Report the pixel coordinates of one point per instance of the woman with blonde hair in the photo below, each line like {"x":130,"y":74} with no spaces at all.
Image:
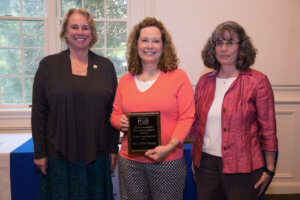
{"x":75,"y":146}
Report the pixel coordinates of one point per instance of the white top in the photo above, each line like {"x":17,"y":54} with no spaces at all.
{"x":144,"y":85}
{"x":213,"y":134}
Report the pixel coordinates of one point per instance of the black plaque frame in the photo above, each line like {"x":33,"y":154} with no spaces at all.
{"x":144,"y":131}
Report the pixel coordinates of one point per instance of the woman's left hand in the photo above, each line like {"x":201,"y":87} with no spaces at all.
{"x":113,"y":161}
{"x":160,"y":152}
{"x":262,"y":182}
{"x":265,"y":178}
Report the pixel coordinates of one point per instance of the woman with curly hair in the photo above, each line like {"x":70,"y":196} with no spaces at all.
{"x":154,"y":83}
{"x":234,"y":120}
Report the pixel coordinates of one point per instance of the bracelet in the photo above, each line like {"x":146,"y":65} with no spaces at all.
{"x":271,"y":173}
{"x":172,"y":144}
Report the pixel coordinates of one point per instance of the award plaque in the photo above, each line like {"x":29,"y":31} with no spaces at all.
{"x":143,"y":132}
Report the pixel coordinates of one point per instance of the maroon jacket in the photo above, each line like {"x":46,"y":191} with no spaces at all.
{"x":248,"y":120}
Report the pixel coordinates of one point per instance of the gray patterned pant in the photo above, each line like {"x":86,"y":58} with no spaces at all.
{"x":151,"y":181}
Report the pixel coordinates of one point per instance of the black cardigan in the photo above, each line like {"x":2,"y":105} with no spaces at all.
{"x":53,"y":112}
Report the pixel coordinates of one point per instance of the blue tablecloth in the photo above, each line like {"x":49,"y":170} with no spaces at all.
{"x":190,"y":187}
{"x":25,"y":175}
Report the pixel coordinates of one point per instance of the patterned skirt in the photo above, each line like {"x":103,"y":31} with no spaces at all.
{"x":66,"y":181}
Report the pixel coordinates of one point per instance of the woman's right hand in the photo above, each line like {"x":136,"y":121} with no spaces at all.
{"x":41,"y":164}
{"x":124,"y":123}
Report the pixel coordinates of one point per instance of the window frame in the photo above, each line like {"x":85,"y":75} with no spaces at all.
{"x":17,"y":118}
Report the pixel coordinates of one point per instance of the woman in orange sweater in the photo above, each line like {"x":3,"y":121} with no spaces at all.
{"x":154,"y":83}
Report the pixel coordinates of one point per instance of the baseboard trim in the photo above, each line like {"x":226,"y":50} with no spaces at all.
{"x":284,"y":188}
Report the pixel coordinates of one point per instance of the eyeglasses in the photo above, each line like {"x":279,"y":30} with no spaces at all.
{"x":228,"y":43}
{"x":83,"y":27}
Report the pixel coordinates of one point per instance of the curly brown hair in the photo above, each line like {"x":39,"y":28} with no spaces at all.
{"x":168,"y":60}
{"x":246,"y":51}
{"x":90,"y":20}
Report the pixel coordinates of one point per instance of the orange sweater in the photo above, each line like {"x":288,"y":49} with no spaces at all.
{"x":172,"y":94}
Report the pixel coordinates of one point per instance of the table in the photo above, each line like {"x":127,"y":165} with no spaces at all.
{"x":25,"y":175}
{"x":8,"y":142}
{"x":19,"y":177}
{"x":190,"y":186}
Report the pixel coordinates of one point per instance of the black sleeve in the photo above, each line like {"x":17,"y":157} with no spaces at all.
{"x":39,"y":112}
{"x":114,"y":134}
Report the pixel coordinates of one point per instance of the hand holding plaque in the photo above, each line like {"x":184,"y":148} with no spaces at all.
{"x":143,"y":132}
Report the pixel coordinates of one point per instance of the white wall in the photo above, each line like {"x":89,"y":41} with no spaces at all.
{"x":274,"y":26}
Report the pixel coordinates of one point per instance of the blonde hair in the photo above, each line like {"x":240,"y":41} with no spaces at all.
{"x":90,"y":20}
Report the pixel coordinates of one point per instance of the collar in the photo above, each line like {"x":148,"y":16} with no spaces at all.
{"x":242,"y":72}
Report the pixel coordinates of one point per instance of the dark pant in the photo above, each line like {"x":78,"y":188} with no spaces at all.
{"x":212,"y":184}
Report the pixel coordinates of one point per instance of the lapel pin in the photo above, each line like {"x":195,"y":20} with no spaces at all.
{"x":95,"y":66}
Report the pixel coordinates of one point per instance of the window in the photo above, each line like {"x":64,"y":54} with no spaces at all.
{"x":29,"y":30}
{"x":28,"y":34}
{"x":21,"y":47}
{"x":111,"y":21}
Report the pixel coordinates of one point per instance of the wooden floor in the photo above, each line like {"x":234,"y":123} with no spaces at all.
{"x":281,"y":197}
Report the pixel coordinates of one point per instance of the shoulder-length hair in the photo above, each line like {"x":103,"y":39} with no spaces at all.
{"x":90,"y":20}
{"x":168,"y":60}
{"x":246,"y":51}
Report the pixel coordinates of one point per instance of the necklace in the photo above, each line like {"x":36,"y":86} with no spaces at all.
{"x":76,"y":68}
{"x":226,"y":78}
{"x":79,"y":70}
{"x":225,"y":81}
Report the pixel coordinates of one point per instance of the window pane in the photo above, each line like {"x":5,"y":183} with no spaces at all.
{"x":67,"y":4}
{"x":31,"y":59}
{"x":100,"y":33}
{"x":33,"y":33}
{"x":10,"y":62}
{"x":118,"y":59}
{"x":99,"y":52}
{"x":95,"y":8}
{"x":28,"y":90}
{"x":116,"y":34}
{"x":116,"y":8}
{"x":10,"y":33}
{"x":11,"y":90}
{"x":33,"y":8}
{"x":64,"y":45}
{"x":10,"y":8}
{"x":62,"y":41}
